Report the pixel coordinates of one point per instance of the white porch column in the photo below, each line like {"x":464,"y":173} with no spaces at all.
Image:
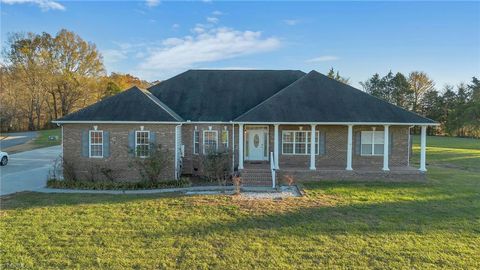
{"x":240,"y":146}
{"x":385,"y":148}
{"x":312,"y":148}
{"x":275,"y":145}
{"x":349,"y":148}
{"x":423,"y":148}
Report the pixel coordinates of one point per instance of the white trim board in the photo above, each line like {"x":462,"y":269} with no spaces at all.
{"x":116,"y":122}
{"x":251,"y":123}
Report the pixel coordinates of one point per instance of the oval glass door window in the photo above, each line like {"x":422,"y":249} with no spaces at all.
{"x":256,"y":140}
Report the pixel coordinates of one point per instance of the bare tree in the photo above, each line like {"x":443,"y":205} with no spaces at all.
{"x":420,"y":84}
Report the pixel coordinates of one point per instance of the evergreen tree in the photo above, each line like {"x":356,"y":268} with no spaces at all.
{"x":402,"y":94}
{"x":373,"y":86}
{"x":336,"y":75}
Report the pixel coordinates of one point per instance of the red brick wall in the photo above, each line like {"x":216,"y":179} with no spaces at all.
{"x":120,"y":161}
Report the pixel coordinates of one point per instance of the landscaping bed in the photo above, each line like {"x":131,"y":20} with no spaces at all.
{"x":109,"y":185}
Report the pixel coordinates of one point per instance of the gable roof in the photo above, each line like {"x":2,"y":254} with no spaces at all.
{"x":318,"y":98}
{"x":221,"y":95}
{"x":133,"y":104}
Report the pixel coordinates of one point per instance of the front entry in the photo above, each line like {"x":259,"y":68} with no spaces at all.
{"x":256,"y":146}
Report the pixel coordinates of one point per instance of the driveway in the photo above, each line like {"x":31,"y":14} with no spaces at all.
{"x":27,"y":171}
{"x":17,"y":138}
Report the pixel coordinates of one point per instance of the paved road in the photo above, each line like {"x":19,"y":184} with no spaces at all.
{"x":27,"y":171}
{"x":17,"y":138}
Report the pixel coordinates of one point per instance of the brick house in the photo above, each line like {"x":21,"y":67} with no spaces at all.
{"x":281,"y":116}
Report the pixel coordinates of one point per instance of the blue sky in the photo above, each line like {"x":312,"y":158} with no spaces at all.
{"x":156,"y":40}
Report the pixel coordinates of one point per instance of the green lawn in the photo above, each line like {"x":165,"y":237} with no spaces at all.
{"x":337,"y":225}
{"x":460,"y":153}
{"x":42,"y":140}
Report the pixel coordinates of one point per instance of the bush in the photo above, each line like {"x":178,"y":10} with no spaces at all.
{"x":217,"y":167}
{"x":108,"y":185}
{"x":152,"y":168}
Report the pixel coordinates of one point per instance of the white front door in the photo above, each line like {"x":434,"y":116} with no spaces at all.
{"x":256,"y":144}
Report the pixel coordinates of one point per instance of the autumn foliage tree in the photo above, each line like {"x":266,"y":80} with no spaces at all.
{"x":45,"y":77}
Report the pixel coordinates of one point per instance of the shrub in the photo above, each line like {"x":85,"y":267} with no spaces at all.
{"x":288,"y":179}
{"x":108,"y":185}
{"x":216,"y":166}
{"x":152,"y":167}
{"x":62,"y":169}
{"x":237,"y":182}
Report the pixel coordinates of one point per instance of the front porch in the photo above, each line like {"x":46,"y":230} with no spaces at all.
{"x":342,"y":152}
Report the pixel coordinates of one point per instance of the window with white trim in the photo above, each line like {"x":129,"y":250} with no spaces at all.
{"x":196,"y":142}
{"x":297,"y":142}
{"x":372,"y":143}
{"x":142,"y":143}
{"x":210,"y":141}
{"x":96,"y":143}
{"x":224,"y":137}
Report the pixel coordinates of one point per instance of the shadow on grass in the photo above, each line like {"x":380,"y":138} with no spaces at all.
{"x":26,"y":200}
{"x":454,"y":214}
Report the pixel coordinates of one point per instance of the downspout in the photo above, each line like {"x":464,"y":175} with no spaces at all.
{"x":233,"y":147}
{"x":177,"y":173}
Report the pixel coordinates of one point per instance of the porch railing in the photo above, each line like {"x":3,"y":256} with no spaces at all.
{"x":272,"y":169}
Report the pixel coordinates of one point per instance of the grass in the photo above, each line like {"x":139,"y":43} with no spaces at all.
{"x":460,"y":153}
{"x":42,"y":140}
{"x":336,"y":225}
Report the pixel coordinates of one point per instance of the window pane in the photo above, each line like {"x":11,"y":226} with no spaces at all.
{"x":367,"y":137}
{"x":287,"y":148}
{"x":210,"y":141}
{"x":300,"y":148}
{"x":265,"y":144}
{"x":225,"y":138}
{"x":287,"y":136}
{"x":300,"y":136}
{"x":366,"y":149}
{"x":196,"y":146}
{"x":379,"y":137}
{"x":378,"y":149}
{"x":96,"y":150}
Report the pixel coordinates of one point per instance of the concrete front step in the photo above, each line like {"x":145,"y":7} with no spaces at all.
{"x":257,"y":183}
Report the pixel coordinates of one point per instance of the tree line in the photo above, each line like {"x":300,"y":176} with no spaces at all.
{"x":457,"y":109}
{"x":45,"y":77}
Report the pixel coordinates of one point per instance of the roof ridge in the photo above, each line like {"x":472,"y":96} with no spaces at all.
{"x":277,"y":93}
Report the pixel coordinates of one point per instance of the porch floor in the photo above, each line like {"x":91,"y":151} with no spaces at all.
{"x":266,"y":166}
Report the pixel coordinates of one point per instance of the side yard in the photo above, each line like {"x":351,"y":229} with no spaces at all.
{"x":336,"y":225}
{"x":42,"y":138}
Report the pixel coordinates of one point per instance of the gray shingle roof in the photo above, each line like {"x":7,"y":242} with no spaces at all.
{"x":318,"y":98}
{"x":133,"y":104}
{"x":221,"y":95}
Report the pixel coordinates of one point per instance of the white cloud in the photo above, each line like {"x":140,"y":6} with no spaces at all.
{"x":291,"y":22}
{"x":323,"y":58}
{"x":175,"y":25}
{"x":152,"y":3}
{"x":44,"y":5}
{"x":204,"y":47}
{"x":113,"y":56}
{"x":217,"y":13}
{"x":212,"y":19}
